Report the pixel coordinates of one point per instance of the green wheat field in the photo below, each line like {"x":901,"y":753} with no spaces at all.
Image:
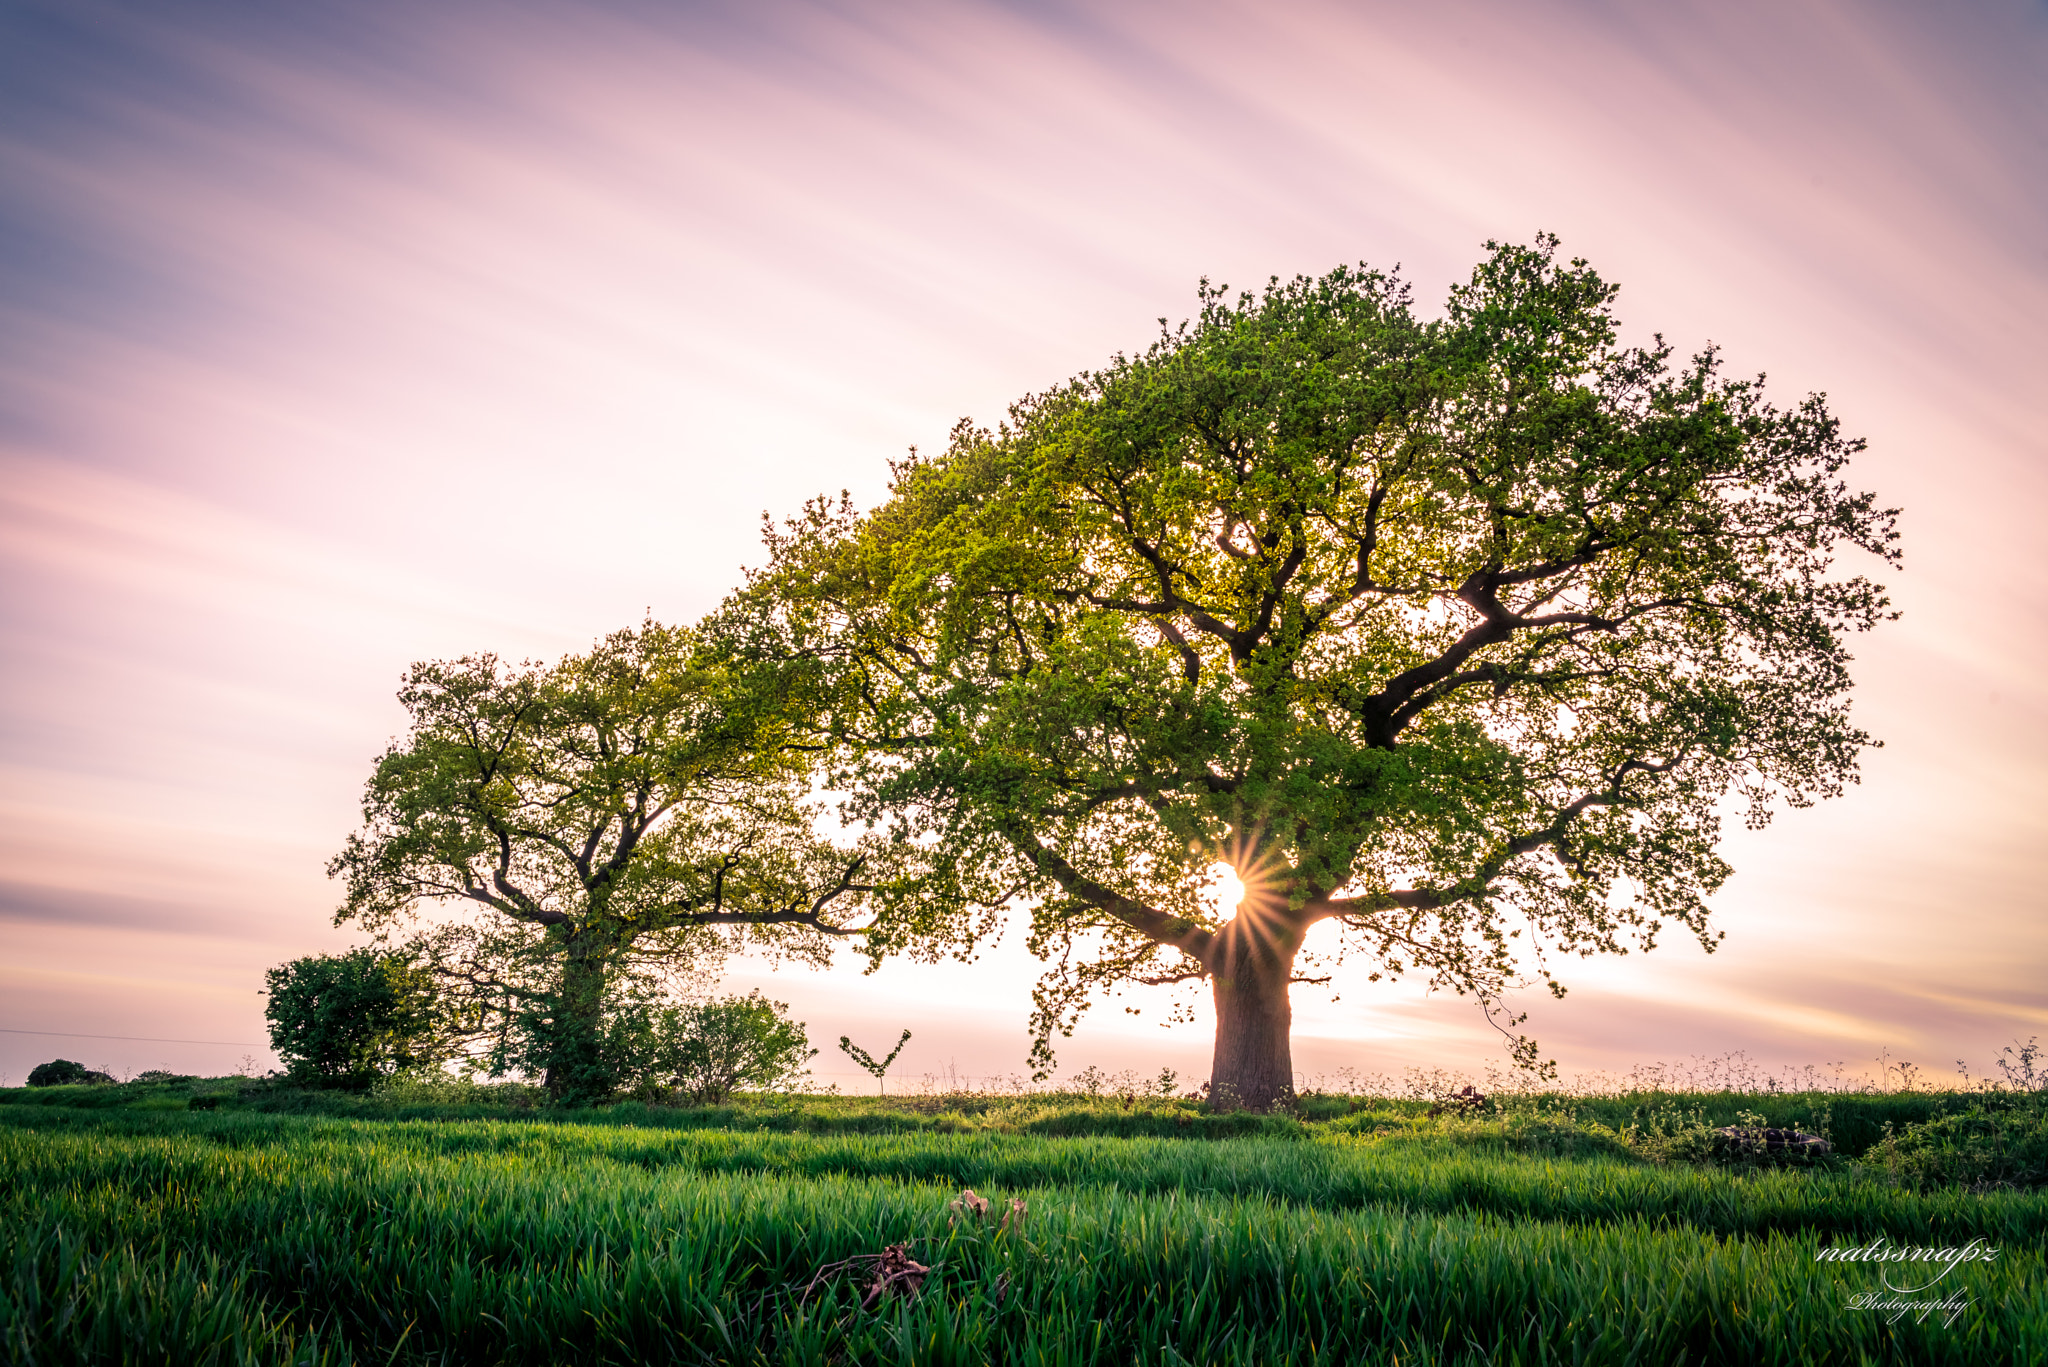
{"x":270,"y":1226}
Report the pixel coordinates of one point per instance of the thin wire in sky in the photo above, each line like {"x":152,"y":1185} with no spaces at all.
{"x":144,"y":1039}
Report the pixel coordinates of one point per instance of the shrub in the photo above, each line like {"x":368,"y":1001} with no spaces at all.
{"x":1983,"y":1146}
{"x":349,"y":1019}
{"x":1668,"y":1132}
{"x":58,"y":1072}
{"x":711,"y":1049}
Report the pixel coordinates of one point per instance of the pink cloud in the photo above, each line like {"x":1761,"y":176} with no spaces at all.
{"x":446,"y":331}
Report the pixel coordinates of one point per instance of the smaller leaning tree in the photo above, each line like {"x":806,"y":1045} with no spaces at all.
{"x":1443,"y":632}
{"x":626,"y":811}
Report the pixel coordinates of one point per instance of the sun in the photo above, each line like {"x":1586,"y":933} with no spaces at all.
{"x":1226,"y":889}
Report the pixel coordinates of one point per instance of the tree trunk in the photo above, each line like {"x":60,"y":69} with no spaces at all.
{"x":577,"y":1069}
{"x":1250,"y":968}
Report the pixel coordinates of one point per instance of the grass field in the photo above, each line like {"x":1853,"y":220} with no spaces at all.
{"x":287,"y":1227}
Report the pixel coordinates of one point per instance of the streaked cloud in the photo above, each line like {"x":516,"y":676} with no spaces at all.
{"x":338,"y":339}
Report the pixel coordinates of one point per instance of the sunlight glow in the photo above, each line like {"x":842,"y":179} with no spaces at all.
{"x":1226,"y":889}
{"x":385,"y":263}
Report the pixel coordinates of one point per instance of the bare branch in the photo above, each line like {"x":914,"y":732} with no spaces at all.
{"x":1150,"y":922}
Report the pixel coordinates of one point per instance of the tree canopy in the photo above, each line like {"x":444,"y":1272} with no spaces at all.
{"x":627,"y":809}
{"x":1457,"y":632}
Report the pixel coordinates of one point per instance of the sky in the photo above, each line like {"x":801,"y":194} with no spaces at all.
{"x":334,"y":338}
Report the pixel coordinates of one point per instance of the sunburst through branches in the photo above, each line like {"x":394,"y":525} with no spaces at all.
{"x":1241,"y":874}
{"x":1225,"y":891}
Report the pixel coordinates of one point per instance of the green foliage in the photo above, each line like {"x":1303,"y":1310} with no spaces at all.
{"x":1669,"y":1132}
{"x":876,"y":1066}
{"x":239,"y":1237}
{"x":707,"y":1050}
{"x":1455,"y":632}
{"x":1852,"y":1121}
{"x":348,"y":1019}
{"x":630,"y":811}
{"x":415,"y":1091}
{"x":59,"y":1072}
{"x":711,"y":1049}
{"x":1537,"y":1129}
{"x":1996,"y":1141}
{"x":165,"y":1091}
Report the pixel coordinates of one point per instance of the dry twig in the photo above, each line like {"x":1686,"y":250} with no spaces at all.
{"x":895,"y":1273}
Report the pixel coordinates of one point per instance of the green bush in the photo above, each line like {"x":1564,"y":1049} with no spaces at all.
{"x":346,"y":1020}
{"x":709,"y":1050}
{"x":1986,"y":1145}
{"x":737,"y":1042}
{"x":58,"y":1072}
{"x":1668,"y":1132}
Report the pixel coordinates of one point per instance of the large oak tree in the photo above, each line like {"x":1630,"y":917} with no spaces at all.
{"x":1463,"y":634}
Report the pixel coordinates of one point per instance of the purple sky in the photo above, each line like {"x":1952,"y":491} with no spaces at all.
{"x":340,"y":337}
